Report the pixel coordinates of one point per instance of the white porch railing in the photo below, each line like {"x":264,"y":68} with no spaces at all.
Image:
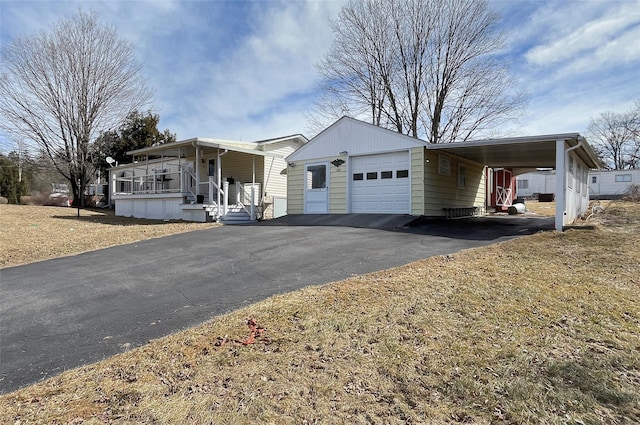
{"x":182,"y":180}
{"x":189,"y":183}
{"x":221,"y":195}
{"x":244,"y":197}
{"x":158,"y":181}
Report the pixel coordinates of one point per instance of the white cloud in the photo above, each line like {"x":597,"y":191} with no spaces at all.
{"x":267,"y":73}
{"x":585,"y":35}
{"x":576,"y":59}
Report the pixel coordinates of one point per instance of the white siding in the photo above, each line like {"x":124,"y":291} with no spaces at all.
{"x":604,"y":187}
{"x":576,"y":192}
{"x":275,"y":176}
{"x":536,"y":182}
{"x":356,"y":138}
{"x":154,"y":207}
{"x":606,"y":184}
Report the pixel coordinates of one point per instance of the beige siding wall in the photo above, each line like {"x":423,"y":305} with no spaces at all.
{"x":295,"y":189}
{"x":338,"y":187}
{"x":240,"y":166}
{"x":442,"y":191}
{"x":417,"y":181}
{"x":275,"y":181}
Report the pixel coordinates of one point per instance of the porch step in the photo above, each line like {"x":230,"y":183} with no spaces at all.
{"x":236,"y":217}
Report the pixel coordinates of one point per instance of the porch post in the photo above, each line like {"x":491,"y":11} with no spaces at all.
{"x":113,"y":186}
{"x":197,"y":171}
{"x":225,"y":208}
{"x":211,"y":183}
{"x":218,"y":172}
{"x":253,"y":186}
{"x":560,"y":184}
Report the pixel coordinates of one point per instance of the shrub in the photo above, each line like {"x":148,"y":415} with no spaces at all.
{"x":633,"y":193}
{"x":39,"y":198}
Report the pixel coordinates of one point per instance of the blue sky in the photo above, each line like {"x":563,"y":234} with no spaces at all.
{"x":244,"y":70}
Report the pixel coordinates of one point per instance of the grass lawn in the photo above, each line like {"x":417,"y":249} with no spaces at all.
{"x":33,"y":233}
{"x":542,"y":329}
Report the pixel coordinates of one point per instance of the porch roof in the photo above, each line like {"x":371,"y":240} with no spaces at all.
{"x":187,"y":148}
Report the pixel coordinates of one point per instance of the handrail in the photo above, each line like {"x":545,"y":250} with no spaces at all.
{"x":225,"y":195}
{"x":241,"y":196}
{"x":191,"y":178}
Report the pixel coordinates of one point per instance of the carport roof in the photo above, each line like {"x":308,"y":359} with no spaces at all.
{"x":520,"y":152}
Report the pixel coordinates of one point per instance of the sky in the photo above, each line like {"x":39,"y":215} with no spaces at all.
{"x":245,"y":70}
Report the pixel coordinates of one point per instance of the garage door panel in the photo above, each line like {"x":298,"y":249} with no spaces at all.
{"x":376,"y":187}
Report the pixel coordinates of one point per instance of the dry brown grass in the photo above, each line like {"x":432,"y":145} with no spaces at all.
{"x":542,"y":329}
{"x":33,"y":233}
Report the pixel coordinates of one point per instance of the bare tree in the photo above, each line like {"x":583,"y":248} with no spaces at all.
{"x":616,"y":138}
{"x":61,"y":88}
{"x":424,"y":68}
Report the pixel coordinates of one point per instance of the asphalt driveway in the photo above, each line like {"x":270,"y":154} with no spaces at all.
{"x":63,"y":313}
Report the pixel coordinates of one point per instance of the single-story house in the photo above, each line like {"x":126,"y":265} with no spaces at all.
{"x":603,"y":184}
{"x":356,"y":167}
{"x":204,"y":179}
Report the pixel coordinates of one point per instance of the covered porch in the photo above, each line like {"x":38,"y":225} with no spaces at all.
{"x":194,"y":180}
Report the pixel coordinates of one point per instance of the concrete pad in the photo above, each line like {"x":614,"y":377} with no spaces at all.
{"x":365,"y":221}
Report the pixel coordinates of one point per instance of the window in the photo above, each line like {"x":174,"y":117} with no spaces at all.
{"x":579,"y":174}
{"x":570,"y":176}
{"x":444,"y":165}
{"x":372,"y":176}
{"x":212,"y":167}
{"x":594,"y":179}
{"x":316,"y":176}
{"x":386,"y":175}
{"x":523,"y":184}
{"x":402,"y":174}
{"x":462,"y":175}
{"x":358,"y":176}
{"x":623,"y":178}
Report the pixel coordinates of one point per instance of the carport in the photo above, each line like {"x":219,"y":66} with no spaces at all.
{"x":568,"y":153}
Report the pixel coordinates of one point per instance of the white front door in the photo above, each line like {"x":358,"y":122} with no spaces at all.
{"x":381,"y":183}
{"x":316,"y":188}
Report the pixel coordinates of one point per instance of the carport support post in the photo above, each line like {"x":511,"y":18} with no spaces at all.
{"x":560,"y":178}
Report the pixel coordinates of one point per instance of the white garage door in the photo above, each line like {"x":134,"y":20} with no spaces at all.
{"x":380,"y":183}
